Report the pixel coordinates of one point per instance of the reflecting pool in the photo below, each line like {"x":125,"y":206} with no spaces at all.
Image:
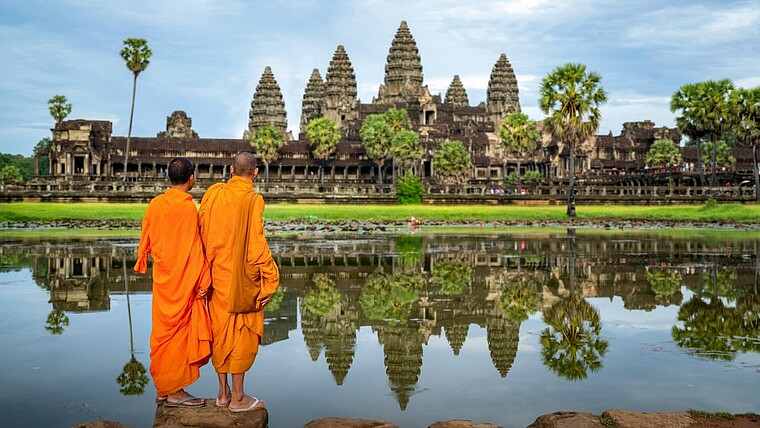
{"x":410,"y":328}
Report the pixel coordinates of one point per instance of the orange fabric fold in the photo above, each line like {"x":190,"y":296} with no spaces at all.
{"x":236,"y":336}
{"x":180,"y":339}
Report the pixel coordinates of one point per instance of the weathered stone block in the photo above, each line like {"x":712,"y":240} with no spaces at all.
{"x":209,"y":416}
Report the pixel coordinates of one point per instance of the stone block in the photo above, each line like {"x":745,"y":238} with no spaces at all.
{"x":209,"y":416}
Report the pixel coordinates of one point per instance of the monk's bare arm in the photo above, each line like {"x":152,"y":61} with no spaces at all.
{"x":143,"y":250}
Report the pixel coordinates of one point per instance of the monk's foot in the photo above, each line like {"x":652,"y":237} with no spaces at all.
{"x":246,"y":404}
{"x":182,"y":399}
{"x":224,"y":398}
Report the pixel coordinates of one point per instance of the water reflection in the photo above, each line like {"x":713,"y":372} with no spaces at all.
{"x":133,"y":377}
{"x":410,"y":288}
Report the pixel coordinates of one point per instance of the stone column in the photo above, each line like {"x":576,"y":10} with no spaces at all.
{"x":155,"y":171}
{"x":87,"y":165}
{"x":224,"y":170}
{"x":211,"y":171}
{"x":36,"y":166}
{"x":69,"y":165}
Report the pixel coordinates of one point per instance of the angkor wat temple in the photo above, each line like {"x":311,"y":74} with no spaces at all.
{"x":86,"y":150}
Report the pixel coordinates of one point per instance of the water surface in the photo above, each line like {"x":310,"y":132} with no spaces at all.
{"x":410,"y":329}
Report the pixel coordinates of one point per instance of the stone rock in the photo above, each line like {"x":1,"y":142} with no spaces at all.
{"x":209,"y":416}
{"x":567,"y":420}
{"x":100,"y":424}
{"x":332,"y":422}
{"x":459,"y":423}
{"x":630,"y":419}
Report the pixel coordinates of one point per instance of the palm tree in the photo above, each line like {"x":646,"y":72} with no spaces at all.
{"x":746,"y":107}
{"x":406,"y":148}
{"x":452,"y":161}
{"x":571,"y":97}
{"x":519,"y":135}
{"x":324,"y":135}
{"x":266,"y":142}
{"x":716,"y":106}
{"x":136,"y":54}
{"x":685,"y":99}
{"x":377,"y":135}
{"x":59,"y":108}
{"x":571,"y":345}
{"x":133,"y":376}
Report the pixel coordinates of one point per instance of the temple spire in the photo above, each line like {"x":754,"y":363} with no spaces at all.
{"x":403,"y":70}
{"x":456,"y":93}
{"x":313,"y":99}
{"x":267,"y":106}
{"x":503,"y":97}
{"x":340,"y":89}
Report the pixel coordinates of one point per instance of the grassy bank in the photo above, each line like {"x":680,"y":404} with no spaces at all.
{"x":19,"y":212}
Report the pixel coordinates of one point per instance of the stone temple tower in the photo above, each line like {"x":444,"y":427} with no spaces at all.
{"x":403,"y":70}
{"x":313,"y":99}
{"x":456,"y":93}
{"x":267,"y":106}
{"x":341,"y":103}
{"x":503,"y":97}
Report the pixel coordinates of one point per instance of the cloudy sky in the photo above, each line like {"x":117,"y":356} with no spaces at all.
{"x":208,"y":55}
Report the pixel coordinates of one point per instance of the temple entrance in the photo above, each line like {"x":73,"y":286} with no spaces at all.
{"x":78,"y":164}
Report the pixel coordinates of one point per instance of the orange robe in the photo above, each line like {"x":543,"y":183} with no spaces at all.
{"x":236,"y":336}
{"x":180,"y":341}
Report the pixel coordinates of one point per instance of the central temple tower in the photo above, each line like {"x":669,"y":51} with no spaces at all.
{"x":403,"y":71}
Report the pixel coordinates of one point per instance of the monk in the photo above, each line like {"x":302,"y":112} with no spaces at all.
{"x":180,"y":341}
{"x":236,"y":335}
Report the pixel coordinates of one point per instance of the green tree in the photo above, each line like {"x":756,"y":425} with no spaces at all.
{"x":42,"y":152}
{"x":10,"y":174}
{"x":409,"y":189}
{"x":275,"y":301}
{"x":520,"y":299}
{"x":377,"y":136}
{"x":663,"y":153}
{"x":705,"y":113}
{"x":24,"y":165}
{"x":745,"y":103}
{"x":519,"y":135}
{"x":664,"y":282}
{"x":452,"y":161}
{"x":398,"y":120}
{"x":136,"y":54}
{"x":323,"y":134}
{"x":689,"y":122}
{"x":133,"y":378}
{"x":571,"y":345}
{"x":389,"y":298}
{"x":324,"y":298}
{"x":59,"y":108}
{"x":56,"y":321}
{"x":571,"y":98}
{"x":406,"y":148}
{"x":720,"y":153}
{"x":266,"y":142}
{"x":452,"y":277}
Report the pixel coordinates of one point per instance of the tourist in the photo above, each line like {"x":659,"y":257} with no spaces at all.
{"x":232,"y":231}
{"x":180,"y":341}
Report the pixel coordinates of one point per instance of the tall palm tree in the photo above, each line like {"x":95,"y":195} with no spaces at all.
{"x":324,"y":135}
{"x":716,"y":107}
{"x":266,"y":142}
{"x":136,"y":55}
{"x":519,"y":135}
{"x":745,"y":103}
{"x":59,"y":108}
{"x":376,"y":134}
{"x":571,"y":98}
{"x":689,"y":123}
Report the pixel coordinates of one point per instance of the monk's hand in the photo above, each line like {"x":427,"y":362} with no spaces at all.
{"x":202,"y":292}
{"x":265,"y":301}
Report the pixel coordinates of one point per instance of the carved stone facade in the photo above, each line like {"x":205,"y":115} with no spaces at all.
{"x":178,"y":125}
{"x":87,"y":149}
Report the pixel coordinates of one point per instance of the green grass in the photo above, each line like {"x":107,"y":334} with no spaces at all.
{"x":121,"y":211}
{"x":78,"y":233}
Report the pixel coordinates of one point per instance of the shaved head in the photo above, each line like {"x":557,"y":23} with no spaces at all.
{"x":244,"y":164}
{"x":180,"y":170}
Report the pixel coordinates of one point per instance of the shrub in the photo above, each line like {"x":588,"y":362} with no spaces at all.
{"x":532,"y":175}
{"x":409,"y":189}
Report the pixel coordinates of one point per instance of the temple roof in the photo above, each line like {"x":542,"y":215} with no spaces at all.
{"x":313,"y":99}
{"x":267,"y":106}
{"x":341,"y":80}
{"x":403,"y":69}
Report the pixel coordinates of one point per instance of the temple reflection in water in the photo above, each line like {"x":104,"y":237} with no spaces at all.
{"x":408,"y":288}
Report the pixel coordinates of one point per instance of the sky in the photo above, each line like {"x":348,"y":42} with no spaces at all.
{"x":208,"y":55}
